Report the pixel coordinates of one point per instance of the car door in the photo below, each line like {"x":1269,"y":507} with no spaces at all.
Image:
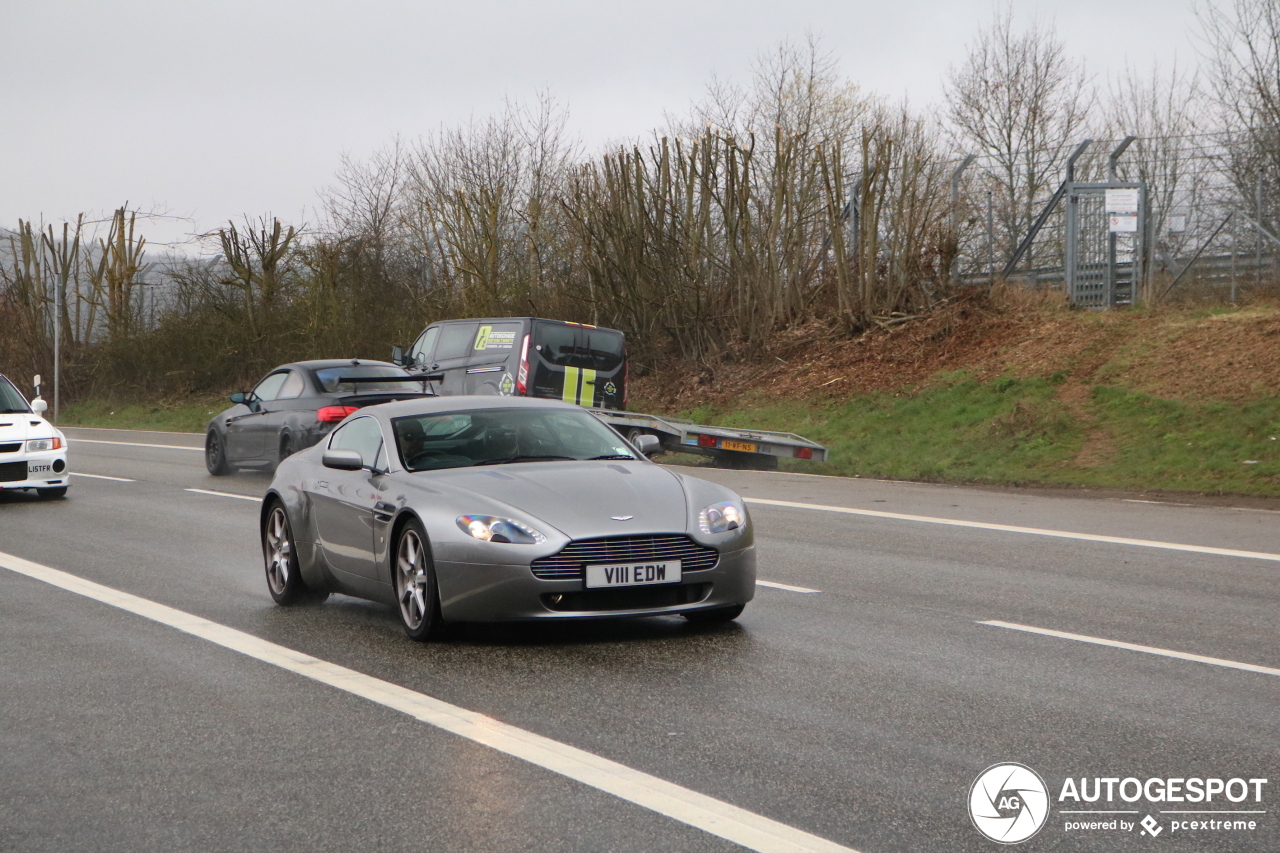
{"x":281,"y":413}
{"x":453,"y":351}
{"x":246,"y":430}
{"x":343,"y":502}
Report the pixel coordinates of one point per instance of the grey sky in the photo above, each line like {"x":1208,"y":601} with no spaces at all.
{"x":212,"y":110}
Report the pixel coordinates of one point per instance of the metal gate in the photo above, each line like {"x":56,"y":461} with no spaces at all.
{"x":1105,"y":243}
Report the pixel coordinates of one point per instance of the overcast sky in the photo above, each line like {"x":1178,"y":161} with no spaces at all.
{"x":215,"y":109}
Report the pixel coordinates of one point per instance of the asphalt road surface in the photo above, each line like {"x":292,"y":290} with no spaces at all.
{"x":910,"y":636}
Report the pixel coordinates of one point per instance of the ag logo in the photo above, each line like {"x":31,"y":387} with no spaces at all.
{"x":1008,"y":803}
{"x":610,"y":389}
{"x":506,"y":386}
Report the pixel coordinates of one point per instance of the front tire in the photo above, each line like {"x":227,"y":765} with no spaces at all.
{"x":715,"y":616}
{"x":414,"y":574}
{"x":50,"y":494}
{"x":284,"y":580}
{"x":215,"y":454}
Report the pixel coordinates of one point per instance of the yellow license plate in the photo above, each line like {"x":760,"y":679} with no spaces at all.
{"x":744,"y":446}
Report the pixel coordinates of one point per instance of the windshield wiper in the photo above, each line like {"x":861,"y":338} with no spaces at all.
{"x":507,"y":459}
{"x":610,"y":456}
{"x":15,"y":411}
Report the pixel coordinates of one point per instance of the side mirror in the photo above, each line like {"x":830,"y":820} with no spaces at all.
{"x":648,"y":444}
{"x":239,"y":397}
{"x":397,"y":356}
{"x":39,"y":406}
{"x":343,"y":460}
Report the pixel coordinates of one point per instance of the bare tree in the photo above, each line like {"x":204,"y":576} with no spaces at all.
{"x":1161,"y":109}
{"x":1020,"y":100}
{"x":1242,"y":58}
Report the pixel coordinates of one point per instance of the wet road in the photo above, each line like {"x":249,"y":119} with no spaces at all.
{"x":859,"y":712}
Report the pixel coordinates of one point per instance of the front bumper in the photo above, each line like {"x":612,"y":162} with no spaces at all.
{"x":471,"y":592}
{"x":42,"y":470}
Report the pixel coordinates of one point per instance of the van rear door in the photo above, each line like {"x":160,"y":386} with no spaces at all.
{"x":579,"y":364}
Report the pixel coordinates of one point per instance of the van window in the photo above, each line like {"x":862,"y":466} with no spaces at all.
{"x":579,"y":346}
{"x":421,"y":349}
{"x":456,"y":340}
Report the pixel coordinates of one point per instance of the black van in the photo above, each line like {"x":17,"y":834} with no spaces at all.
{"x":524,"y":357}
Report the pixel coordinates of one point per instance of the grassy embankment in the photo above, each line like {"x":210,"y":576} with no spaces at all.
{"x":1179,"y":400}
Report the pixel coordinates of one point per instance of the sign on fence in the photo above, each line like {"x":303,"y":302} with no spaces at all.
{"x":1124,"y":202}
{"x":1124,"y":224}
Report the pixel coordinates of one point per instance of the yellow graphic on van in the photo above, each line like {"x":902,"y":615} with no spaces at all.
{"x":579,"y":386}
{"x":482,"y":337}
{"x":570,"y":394}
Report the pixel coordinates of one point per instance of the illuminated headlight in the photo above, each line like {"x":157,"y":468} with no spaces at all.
{"x":722,"y":517}
{"x":36,"y":445}
{"x":493,"y":529}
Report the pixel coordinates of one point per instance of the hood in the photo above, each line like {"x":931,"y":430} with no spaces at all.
{"x":20,"y":427}
{"x":577,"y":498}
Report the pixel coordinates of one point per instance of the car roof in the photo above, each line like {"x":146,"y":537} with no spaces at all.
{"x":462,"y":403}
{"x":323,"y":363}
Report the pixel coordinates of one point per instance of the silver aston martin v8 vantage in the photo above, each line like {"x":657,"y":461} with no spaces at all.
{"x":484,"y":509}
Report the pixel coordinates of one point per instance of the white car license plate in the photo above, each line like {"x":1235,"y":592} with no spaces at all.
{"x":632,"y":574}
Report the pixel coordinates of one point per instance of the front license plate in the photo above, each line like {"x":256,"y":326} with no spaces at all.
{"x":744,"y":446}
{"x":632,"y":574}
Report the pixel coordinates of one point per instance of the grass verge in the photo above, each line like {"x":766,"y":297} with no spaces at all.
{"x":1018,"y":431}
{"x":186,"y":415}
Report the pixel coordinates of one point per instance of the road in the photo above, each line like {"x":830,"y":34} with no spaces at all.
{"x":853,"y":704}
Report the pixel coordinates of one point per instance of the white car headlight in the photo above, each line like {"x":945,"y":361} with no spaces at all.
{"x":493,"y":529}
{"x":36,"y":445}
{"x":722,"y":517}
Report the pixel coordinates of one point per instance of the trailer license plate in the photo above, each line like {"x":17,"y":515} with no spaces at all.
{"x":744,"y":446}
{"x":632,"y":574}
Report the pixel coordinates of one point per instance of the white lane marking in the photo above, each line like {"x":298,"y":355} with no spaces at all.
{"x":225,"y":495}
{"x":788,"y":587}
{"x":131,"y":444}
{"x":708,"y":814}
{"x":102,"y":477}
{"x":1133,"y":647}
{"x":1035,"y":531}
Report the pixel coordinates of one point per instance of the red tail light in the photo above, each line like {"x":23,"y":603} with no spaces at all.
{"x":522,"y":377}
{"x":804,"y":453}
{"x":333,"y":414}
{"x":706,"y":441}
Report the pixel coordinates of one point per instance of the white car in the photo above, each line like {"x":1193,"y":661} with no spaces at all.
{"x":33,"y":453}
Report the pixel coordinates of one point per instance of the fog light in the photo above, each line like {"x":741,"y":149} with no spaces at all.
{"x":59,"y":465}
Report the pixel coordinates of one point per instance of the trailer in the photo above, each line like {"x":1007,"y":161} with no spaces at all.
{"x":731,"y":447}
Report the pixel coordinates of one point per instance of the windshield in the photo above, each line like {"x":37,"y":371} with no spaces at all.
{"x":579,"y":346}
{"x":333,"y":379}
{"x":503,"y":436}
{"x":11,"y":401}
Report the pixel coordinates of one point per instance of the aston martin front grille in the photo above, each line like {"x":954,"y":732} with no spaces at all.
{"x":570,"y":562}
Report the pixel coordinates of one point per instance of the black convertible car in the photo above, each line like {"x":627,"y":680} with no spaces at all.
{"x":296,"y":405}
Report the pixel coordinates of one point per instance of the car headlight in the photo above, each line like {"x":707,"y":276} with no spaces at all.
{"x":36,"y":445}
{"x":722,"y":517}
{"x":493,"y":529}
